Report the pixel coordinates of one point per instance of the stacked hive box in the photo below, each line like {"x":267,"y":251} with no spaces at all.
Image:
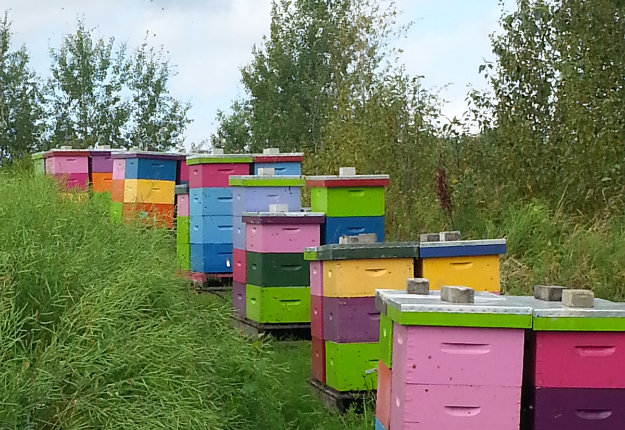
{"x":101,"y":170}
{"x":575,"y":378}
{"x":39,"y":163}
{"x":146,"y":191}
{"x":117,"y":187}
{"x":183,"y":238}
{"x":283,"y":164}
{"x":257,"y":194}
{"x":453,"y":366}
{"x":472,"y":263}
{"x":353,"y":204}
{"x":344,"y":320}
{"x":69,"y":165}
{"x":278,"y":278}
{"x":211,"y":211}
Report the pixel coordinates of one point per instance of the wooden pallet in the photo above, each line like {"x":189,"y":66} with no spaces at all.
{"x":211,"y":282}
{"x":341,"y":401}
{"x":282,"y":332}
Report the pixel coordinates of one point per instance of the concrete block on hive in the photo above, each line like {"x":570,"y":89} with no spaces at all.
{"x":347,"y":171}
{"x":548,"y":293}
{"x":578,"y":298}
{"x":449,"y":236}
{"x":430,"y":237}
{"x":418,"y":286}
{"x":278,"y":208}
{"x":218,"y":151}
{"x":380,"y":304}
{"x":266,"y":171}
{"x":366,"y":238}
{"x":271,"y":151}
{"x":66,"y":147}
{"x":459,"y":295}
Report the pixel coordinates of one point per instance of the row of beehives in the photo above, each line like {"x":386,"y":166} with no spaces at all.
{"x":218,"y":235}
{"x":456,"y":359}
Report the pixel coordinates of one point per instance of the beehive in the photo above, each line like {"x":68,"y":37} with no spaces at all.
{"x":70,"y":166}
{"x":254,"y":193}
{"x":344,"y":320}
{"x":211,"y":210}
{"x":183,"y":223}
{"x":143,"y":186}
{"x":453,"y":365}
{"x":575,"y":377}
{"x":470,"y":263}
{"x":288,"y":164}
{"x":353,"y":204}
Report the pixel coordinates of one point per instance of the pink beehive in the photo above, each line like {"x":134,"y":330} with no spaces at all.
{"x":282,"y":238}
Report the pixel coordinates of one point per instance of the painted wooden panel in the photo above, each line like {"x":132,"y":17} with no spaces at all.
{"x":210,"y":201}
{"x":580,"y":360}
{"x":258,"y":199}
{"x":351,"y":320}
{"x":239,"y":269}
{"x":211,"y":229}
{"x":101,"y":182}
{"x":316,"y":316}
{"x":316,"y":278}
{"x":119,"y":169}
{"x":578,"y":409}
{"x":480,"y":273}
{"x":61,"y":165}
{"x":318,"y":359}
{"x":183,"y":205}
{"x":351,"y":366}
{"x":215,"y":175}
{"x":459,"y":355}
{"x":149,"y":191}
{"x":348,"y":201}
{"x":334,"y":228}
{"x":239,"y":298}
{"x":360,"y":278}
{"x":383,"y":401}
{"x":278,"y":305}
{"x":281,"y":238}
{"x":453,"y":407}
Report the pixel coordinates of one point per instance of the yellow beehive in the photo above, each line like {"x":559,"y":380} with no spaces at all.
{"x":360,"y":278}
{"x":149,"y":191}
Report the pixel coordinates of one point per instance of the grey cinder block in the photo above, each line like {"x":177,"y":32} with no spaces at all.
{"x":348,"y":240}
{"x":271,"y":151}
{"x":218,"y":151}
{"x":418,"y":286}
{"x":460,"y":295}
{"x":278,"y":208}
{"x":548,"y":293}
{"x":449,"y":236}
{"x":578,"y":298}
{"x":347,"y":171}
{"x":368,"y":238}
{"x":430,"y":237}
{"x":266,"y":171}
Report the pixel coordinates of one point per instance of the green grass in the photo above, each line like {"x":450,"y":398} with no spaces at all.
{"x":96,"y":332}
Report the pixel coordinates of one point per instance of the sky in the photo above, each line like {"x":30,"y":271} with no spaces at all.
{"x":209,"y":40}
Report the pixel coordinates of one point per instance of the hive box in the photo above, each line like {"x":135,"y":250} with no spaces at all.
{"x":351,"y":366}
{"x":455,"y":365}
{"x":39,"y":163}
{"x":283,"y":164}
{"x":239,"y":298}
{"x":239,"y":271}
{"x":278,"y":305}
{"x":316,"y":316}
{"x":73,"y":181}
{"x":152,"y":214}
{"x":101,"y":161}
{"x":183,"y":205}
{"x":350,"y":320}
{"x":148,"y":191}
{"x":318,"y":359}
{"x":258,"y":199}
{"x":334,"y":228}
{"x":66,"y":162}
{"x":277,"y":270}
{"x":215,"y":175}
{"x":211,"y":229}
{"x":289,"y":232}
{"x":354,"y":196}
{"x":156,"y":167}
{"x":211,"y":258}
{"x":473,"y":264}
{"x":101,"y":182}
{"x":210,"y":201}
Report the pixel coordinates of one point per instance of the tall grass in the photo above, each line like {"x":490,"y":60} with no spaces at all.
{"x":97,"y":332}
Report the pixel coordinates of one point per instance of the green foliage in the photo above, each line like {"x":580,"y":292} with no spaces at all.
{"x":553,"y":126}
{"x":97,"y":331}
{"x":88,"y":100}
{"x":21,"y":115}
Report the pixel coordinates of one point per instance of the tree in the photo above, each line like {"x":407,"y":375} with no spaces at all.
{"x":234,"y":134}
{"x":21,"y":116}
{"x":88,"y":95}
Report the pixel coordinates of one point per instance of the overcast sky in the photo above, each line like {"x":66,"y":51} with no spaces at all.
{"x":208,"y":40}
